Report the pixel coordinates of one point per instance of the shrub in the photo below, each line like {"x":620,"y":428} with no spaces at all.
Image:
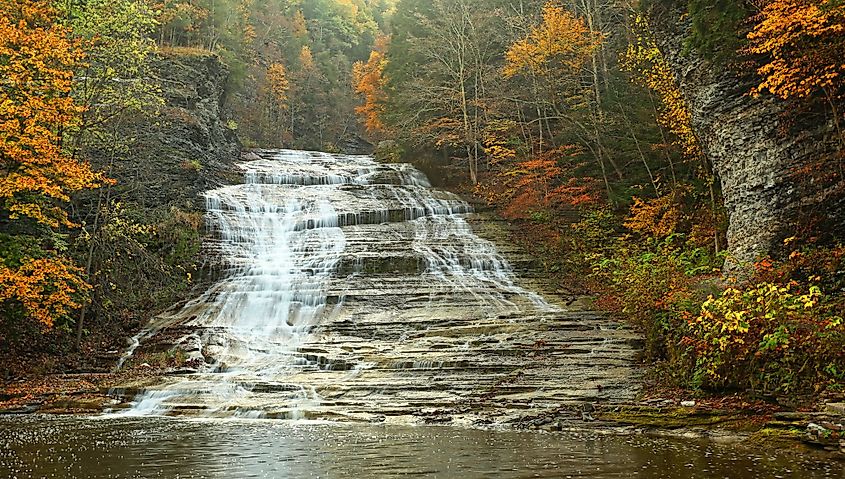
{"x":655,"y":284}
{"x":191,"y":165}
{"x":774,"y":339}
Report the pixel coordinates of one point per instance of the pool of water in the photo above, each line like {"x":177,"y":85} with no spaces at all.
{"x":50,"y":446}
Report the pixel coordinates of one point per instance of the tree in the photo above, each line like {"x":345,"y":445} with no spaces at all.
{"x":44,"y":289}
{"x":546,"y":182}
{"x":179,"y":21}
{"x":554,"y":56}
{"x":441,"y":64}
{"x":369,"y":81}
{"x":562,"y":43}
{"x":116,"y":89}
{"x":37,"y":62}
{"x":115,"y":85}
{"x":803,"y":42}
{"x":277,"y":79}
{"x":651,"y":69}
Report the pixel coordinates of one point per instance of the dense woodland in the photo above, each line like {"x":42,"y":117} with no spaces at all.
{"x":564,"y":116}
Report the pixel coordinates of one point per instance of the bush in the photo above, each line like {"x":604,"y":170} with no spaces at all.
{"x":777,"y":333}
{"x":654,"y":284}
{"x":770,"y":338}
{"x":389,"y":151}
{"x":191,"y":165}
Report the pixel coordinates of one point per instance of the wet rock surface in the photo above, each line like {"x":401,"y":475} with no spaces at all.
{"x":354,"y":291}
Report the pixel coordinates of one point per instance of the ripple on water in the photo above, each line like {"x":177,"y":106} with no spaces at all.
{"x":40,"y":446}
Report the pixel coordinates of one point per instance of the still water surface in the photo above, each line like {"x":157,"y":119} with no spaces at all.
{"x":177,"y":448}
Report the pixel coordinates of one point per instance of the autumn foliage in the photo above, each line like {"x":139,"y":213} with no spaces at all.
{"x":803,"y":42}
{"x":37,"y":59}
{"x":651,"y":69}
{"x":37,"y":62}
{"x":562,"y":40}
{"x":46,"y":289}
{"x":777,"y":337}
{"x":277,"y":79}
{"x":369,"y":82}
{"x":658,"y":218}
{"x":535,"y":186}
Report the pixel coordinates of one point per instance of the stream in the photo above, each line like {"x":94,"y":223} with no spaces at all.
{"x":233,"y":448}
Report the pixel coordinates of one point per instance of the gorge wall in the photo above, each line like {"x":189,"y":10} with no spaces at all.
{"x":143,"y":234}
{"x":188,"y":146}
{"x":746,"y":140}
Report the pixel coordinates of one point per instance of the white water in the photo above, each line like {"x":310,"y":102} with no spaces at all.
{"x":281,"y":238}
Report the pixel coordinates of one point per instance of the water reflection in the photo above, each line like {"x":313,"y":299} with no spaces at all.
{"x":178,"y":448}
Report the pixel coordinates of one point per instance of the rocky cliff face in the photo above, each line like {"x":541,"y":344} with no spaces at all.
{"x":742,"y":136}
{"x":189,"y":146}
{"x":184,"y":150}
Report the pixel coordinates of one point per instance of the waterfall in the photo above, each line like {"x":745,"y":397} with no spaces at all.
{"x":310,"y":243}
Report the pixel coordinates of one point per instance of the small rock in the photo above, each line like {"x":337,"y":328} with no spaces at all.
{"x":191,"y":344}
{"x":145,"y":366}
{"x":815,"y":428}
{"x":688,"y":403}
{"x":835,"y":407}
{"x":817,"y":434}
{"x":586,"y":410}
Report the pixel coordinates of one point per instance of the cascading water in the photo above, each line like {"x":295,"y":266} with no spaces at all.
{"x":339,"y":273}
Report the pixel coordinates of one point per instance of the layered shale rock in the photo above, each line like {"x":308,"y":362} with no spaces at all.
{"x":755,"y":153}
{"x":352,"y":290}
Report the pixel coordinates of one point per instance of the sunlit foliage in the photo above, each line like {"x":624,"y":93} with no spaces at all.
{"x":803,"y":42}
{"x":561,"y":41}
{"x":46,"y":289}
{"x":277,"y":78}
{"x":774,"y":336}
{"x":369,"y":82}
{"x":37,"y":62}
{"x":651,"y":69}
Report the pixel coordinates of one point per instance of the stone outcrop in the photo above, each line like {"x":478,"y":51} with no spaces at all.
{"x":175,"y":155}
{"x":744,"y":140}
{"x":188,"y":147}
